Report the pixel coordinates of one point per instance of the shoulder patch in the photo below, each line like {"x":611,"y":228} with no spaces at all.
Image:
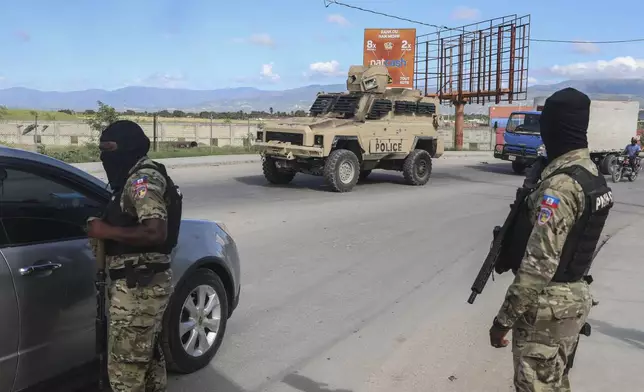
{"x":140,"y":190}
{"x":140,"y":181}
{"x":550,"y":202}
{"x":544,"y":216}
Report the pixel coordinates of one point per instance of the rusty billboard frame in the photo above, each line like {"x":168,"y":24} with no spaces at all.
{"x":475,"y":63}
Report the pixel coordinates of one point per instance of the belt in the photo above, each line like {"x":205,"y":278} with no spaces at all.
{"x":119,"y":273}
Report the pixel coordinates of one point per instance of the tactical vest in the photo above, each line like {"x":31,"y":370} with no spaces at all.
{"x":578,"y":250}
{"x":115,"y":216}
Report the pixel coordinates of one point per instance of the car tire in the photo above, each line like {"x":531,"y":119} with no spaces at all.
{"x":342,"y":170}
{"x":275,"y":175}
{"x":176,"y":357}
{"x":417,"y":167}
{"x":518,"y":167}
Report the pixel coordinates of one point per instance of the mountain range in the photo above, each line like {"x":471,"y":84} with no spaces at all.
{"x":250,"y":98}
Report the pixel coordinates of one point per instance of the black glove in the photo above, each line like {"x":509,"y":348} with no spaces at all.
{"x":497,"y":334}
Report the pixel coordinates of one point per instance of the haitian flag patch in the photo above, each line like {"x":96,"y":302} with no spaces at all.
{"x":550,"y":202}
{"x":140,"y":181}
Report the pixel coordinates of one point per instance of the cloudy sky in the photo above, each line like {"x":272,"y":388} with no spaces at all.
{"x":277,"y":44}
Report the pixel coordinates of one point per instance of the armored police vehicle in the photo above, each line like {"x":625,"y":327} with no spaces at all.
{"x":349,"y":134}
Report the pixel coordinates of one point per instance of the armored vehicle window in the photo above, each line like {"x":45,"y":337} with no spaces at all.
{"x":346,"y":104}
{"x":379,"y":108}
{"x":323,"y":104}
{"x":404,"y":107}
{"x":420,"y":108}
{"x":426,"y":108}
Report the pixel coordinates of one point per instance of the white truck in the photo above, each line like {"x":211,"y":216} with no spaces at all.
{"x":612,"y":125}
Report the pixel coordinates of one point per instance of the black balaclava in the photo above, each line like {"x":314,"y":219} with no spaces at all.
{"x":132,"y":145}
{"x":564,"y":122}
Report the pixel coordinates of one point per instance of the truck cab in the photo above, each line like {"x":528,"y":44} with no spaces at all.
{"x":521,"y":140}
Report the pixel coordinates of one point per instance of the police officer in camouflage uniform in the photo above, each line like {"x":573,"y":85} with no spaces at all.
{"x":140,"y":229}
{"x":548,"y":303}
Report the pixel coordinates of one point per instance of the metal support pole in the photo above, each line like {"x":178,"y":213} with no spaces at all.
{"x":36,"y":134}
{"x":459,"y":124}
{"x":211,"y":132}
{"x":154,"y":132}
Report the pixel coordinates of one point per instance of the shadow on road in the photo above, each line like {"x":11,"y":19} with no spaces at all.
{"x":631,"y":336}
{"x":314,"y":183}
{"x":495,"y":168}
{"x":207,"y":379}
{"x":302,"y":182}
{"x":305,"y":384}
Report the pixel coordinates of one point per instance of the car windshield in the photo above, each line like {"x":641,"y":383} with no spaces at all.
{"x":523,"y":123}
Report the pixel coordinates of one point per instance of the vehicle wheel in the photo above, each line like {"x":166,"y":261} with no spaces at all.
{"x":616,"y":173}
{"x":518,"y":167}
{"x":417,"y":167}
{"x":606,"y":164}
{"x":275,"y":175}
{"x":633,"y":175}
{"x":341,"y":170}
{"x":191,"y":336}
{"x":364,"y":174}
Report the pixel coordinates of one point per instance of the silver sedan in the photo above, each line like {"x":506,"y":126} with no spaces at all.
{"x":47,"y":271}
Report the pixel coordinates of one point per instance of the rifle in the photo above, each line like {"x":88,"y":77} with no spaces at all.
{"x":101,"y":318}
{"x":499,"y":232}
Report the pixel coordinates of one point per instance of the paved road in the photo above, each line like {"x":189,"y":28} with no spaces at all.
{"x":366,"y":291}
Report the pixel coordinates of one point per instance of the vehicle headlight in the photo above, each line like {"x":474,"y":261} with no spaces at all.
{"x":541,"y":151}
{"x":318,"y":140}
{"x":260,"y":136}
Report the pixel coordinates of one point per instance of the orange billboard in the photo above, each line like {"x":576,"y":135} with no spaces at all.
{"x":394,"y":48}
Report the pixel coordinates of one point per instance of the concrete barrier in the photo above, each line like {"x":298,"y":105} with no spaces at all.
{"x":72,"y":133}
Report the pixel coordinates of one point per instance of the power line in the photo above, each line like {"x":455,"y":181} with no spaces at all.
{"x":327,"y":3}
{"x":589,"y":42}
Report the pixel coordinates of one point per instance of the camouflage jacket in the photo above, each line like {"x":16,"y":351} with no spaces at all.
{"x":143,"y":197}
{"x":555,"y":206}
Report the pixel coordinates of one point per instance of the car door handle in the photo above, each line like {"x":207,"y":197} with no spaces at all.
{"x":48,"y":266}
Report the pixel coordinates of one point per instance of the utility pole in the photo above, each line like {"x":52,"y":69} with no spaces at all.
{"x":154,"y":131}
{"x":211,"y":132}
{"x":36,"y":133}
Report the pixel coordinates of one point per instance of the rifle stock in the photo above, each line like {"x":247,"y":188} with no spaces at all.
{"x":498,"y":235}
{"x":101,"y":319}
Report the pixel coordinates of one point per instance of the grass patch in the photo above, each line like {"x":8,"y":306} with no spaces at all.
{"x":43,"y":115}
{"x":90,"y":153}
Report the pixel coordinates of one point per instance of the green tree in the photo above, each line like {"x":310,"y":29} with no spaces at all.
{"x":4,"y":112}
{"x":104,"y":116}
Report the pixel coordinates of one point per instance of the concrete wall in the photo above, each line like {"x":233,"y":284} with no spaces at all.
{"x":64,"y":133}
{"x":77,"y":133}
{"x":475,"y":139}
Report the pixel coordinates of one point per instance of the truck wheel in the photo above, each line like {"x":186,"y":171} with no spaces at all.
{"x":275,"y":175}
{"x":518,"y":167}
{"x":364,"y":174}
{"x":417,"y":167}
{"x":606,"y":164}
{"x":341,"y":170}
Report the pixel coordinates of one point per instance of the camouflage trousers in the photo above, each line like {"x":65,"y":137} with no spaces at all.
{"x":545,"y":337}
{"x":135,"y":358}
